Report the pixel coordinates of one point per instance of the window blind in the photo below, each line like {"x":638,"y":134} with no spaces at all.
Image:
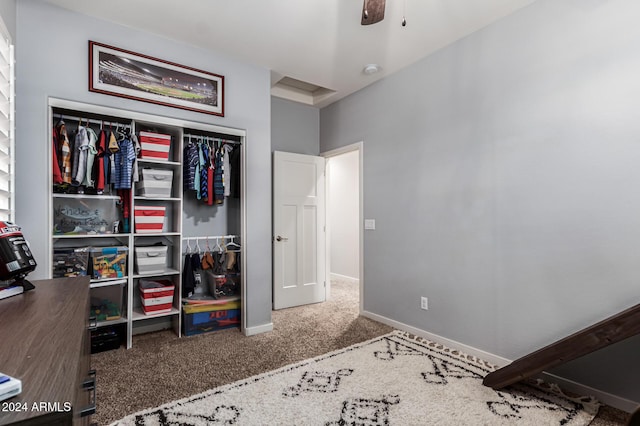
{"x":7,"y":129}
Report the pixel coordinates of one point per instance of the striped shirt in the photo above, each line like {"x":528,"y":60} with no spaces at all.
{"x":123,"y":160}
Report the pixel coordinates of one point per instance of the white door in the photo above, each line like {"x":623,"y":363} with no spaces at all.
{"x":298,"y":227}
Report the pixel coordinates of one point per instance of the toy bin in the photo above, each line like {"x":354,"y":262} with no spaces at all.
{"x":200,"y":319}
{"x":155,"y":182}
{"x":154,"y":146}
{"x":70,"y":262}
{"x":84,"y":216}
{"x":156,"y":296}
{"x":149,"y":219}
{"x":107,"y":338}
{"x":151,"y":259}
{"x":106,"y":302}
{"x":109,"y":262}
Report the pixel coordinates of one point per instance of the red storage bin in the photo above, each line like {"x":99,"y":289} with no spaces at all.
{"x":149,"y":219}
{"x":154,"y":146}
{"x":156,"y":296}
{"x":156,"y":309}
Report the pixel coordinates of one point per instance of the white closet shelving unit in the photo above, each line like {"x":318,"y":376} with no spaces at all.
{"x":131,"y":313}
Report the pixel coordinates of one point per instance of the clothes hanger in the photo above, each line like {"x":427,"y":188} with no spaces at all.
{"x":207,"y":257}
{"x":233,"y":244}
{"x":218,"y":246}
{"x":119,"y":135}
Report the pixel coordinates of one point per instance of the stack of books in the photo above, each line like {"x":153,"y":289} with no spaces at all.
{"x":9,"y":387}
{"x":9,"y":289}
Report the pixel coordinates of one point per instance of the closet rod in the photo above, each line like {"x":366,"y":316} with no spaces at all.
{"x":91,"y":120}
{"x":207,"y":138}
{"x":225,"y":237}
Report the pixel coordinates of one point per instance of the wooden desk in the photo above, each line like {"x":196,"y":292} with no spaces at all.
{"x":45,"y":342}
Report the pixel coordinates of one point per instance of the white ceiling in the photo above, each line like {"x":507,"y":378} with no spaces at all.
{"x":319,"y":42}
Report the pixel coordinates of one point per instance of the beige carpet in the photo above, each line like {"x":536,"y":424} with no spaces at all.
{"x":161,"y":368}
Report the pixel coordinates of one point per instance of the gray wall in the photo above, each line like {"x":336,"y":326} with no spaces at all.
{"x":502,"y":172}
{"x":52,"y":60}
{"x":295,"y":127}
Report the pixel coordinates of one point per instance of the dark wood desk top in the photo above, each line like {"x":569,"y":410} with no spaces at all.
{"x":41,"y":342}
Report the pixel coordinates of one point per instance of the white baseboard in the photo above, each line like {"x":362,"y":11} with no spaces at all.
{"x":571,"y":386}
{"x":580,"y":389}
{"x":338,"y":277}
{"x":264,"y":328}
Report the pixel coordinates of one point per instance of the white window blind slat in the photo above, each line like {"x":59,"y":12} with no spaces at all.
{"x":7,"y":142}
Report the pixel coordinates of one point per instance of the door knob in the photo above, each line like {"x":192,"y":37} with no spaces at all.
{"x":279,"y":238}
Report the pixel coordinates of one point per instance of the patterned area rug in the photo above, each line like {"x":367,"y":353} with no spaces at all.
{"x":394,"y":379}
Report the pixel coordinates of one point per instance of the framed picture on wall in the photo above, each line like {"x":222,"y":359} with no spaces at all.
{"x":119,"y":72}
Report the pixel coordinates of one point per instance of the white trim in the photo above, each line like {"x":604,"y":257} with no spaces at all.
{"x":578,"y":388}
{"x":615,"y":401}
{"x":243,"y":235}
{"x":140,"y":116}
{"x":258,"y":329}
{"x":338,"y":277}
{"x":470,"y":350}
{"x":359,"y":147}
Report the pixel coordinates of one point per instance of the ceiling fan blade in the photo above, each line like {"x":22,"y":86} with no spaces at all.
{"x":372,"y":11}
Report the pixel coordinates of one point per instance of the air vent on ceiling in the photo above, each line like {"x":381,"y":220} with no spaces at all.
{"x":300,"y":91}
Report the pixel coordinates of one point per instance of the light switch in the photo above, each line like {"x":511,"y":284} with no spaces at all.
{"x":369,"y":224}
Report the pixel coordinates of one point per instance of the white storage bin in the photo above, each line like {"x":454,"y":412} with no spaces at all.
{"x":151,"y":260}
{"x":156,"y":183}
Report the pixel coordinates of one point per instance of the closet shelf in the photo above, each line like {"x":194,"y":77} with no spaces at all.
{"x":138,"y":315}
{"x":107,"y":283}
{"x":90,"y":196}
{"x":141,"y":197}
{"x":142,"y":162}
{"x":168,"y":271}
{"x":71,"y":236}
{"x":120,"y":320}
{"x":157,"y":234}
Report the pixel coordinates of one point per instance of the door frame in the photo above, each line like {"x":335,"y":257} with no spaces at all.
{"x":359,"y":147}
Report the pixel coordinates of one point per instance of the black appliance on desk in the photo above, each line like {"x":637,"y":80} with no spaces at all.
{"x":16,"y":260}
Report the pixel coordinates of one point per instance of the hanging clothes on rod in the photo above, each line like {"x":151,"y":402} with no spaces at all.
{"x":211,"y":168}
{"x":102,"y":123}
{"x":64,"y":152}
{"x":218,"y":176}
{"x":86,"y":160}
{"x":217,"y":266}
{"x":210,"y":138}
{"x":190,"y":275}
{"x":190,"y":161}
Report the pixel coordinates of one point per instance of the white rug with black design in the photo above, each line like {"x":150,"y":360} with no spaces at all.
{"x":390,"y":380}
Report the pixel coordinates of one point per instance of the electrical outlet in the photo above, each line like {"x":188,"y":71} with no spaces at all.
{"x":424,"y":303}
